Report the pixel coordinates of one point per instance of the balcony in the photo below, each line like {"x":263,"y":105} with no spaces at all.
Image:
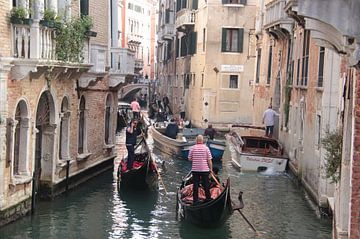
{"x":122,"y":64}
{"x":139,"y":65}
{"x":135,"y":38}
{"x":277,"y":21}
{"x":167,"y":32}
{"x":96,"y":56}
{"x":185,"y":17}
{"x":34,"y":50}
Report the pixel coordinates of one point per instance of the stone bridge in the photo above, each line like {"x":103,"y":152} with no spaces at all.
{"x":127,"y":93}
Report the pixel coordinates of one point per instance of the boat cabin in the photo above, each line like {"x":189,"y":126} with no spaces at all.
{"x":261,"y":145}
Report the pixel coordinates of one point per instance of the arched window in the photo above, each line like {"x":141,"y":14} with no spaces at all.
{"x":64,"y":130}
{"x":108,"y":120}
{"x":82,"y":127}
{"x":21,"y":139}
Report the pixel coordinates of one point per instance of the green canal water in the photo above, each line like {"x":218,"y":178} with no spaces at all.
{"x":274,"y":204}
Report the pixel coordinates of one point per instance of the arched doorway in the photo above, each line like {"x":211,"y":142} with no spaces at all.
{"x":44,"y":145}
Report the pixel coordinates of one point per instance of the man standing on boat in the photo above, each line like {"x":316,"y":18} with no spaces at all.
{"x":135,"y":108}
{"x":210,"y":132}
{"x":132,"y":131}
{"x":268,"y":120}
{"x":201,"y":167}
{"x":172,"y":129}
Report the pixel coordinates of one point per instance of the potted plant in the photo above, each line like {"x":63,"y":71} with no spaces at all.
{"x":88,"y":24}
{"x":17,"y":15}
{"x":48,"y":18}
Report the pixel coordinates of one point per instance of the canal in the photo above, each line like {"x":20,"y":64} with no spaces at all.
{"x":274,"y":204}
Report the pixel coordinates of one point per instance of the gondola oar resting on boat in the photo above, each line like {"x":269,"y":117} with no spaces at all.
{"x":143,"y":175}
{"x":156,"y":169}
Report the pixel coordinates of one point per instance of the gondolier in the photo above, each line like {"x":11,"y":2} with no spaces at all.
{"x":132,"y":131}
{"x":200,"y":156}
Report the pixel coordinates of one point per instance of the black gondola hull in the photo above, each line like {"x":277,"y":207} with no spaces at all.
{"x":210,"y":214}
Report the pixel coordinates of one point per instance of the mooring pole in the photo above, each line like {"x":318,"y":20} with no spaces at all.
{"x":67,"y":175}
{"x":33,"y":194}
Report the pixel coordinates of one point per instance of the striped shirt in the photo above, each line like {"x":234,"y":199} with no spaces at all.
{"x":199,"y":154}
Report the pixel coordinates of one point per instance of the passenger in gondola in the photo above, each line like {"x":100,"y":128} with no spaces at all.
{"x":172,"y":129}
{"x":210,"y":132}
{"x":132,"y":131}
{"x":200,"y":156}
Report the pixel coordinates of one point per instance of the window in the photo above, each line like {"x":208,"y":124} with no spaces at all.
{"x":318,"y":131}
{"x":290,"y":63}
{"x":64,"y":130}
{"x":82,"y":128}
{"x":108,"y":120}
{"x":202,"y":79}
{"x":204,"y":38}
{"x":321,"y":67}
{"x":258,"y":64}
{"x":269,"y":66}
{"x":233,"y":82}
{"x":232,"y":40}
{"x":243,"y":2}
{"x":20,"y":139}
{"x":305,"y":58}
{"x":84,"y":7}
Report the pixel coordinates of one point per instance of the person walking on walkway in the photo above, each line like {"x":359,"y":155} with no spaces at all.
{"x":200,"y":156}
{"x":268,"y":120}
{"x":135,"y":107}
{"x":132,"y":131}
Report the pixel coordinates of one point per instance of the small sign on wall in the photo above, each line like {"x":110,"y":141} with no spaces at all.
{"x":232,"y":68}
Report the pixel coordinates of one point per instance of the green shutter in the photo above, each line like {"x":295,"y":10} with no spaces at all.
{"x":223,"y":40}
{"x":193,"y":41}
{"x":177,"y":47}
{"x":224,"y":1}
{"x":241,"y":40}
{"x":84,"y":7}
{"x":243,"y":2}
{"x":195,"y":4}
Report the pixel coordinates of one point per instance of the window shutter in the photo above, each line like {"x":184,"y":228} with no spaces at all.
{"x":223,"y":40}
{"x":193,"y":41}
{"x":178,"y":5}
{"x":224,"y":1}
{"x":243,"y":2}
{"x":183,"y":47}
{"x":167,"y":15}
{"x":84,"y":7}
{"x":241,"y":39}
{"x":195,"y":4}
{"x":177,"y":47}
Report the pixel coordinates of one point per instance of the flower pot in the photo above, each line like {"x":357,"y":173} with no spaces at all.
{"x":16,"y":20}
{"x":91,"y":33}
{"x":47,"y":23}
{"x":27,"y":21}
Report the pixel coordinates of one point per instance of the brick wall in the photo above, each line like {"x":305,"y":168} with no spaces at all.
{"x":5,"y":39}
{"x":355,"y":180}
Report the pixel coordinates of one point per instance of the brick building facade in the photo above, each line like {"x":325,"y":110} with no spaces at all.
{"x":54,"y":114}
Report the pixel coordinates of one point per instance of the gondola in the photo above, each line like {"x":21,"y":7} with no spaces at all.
{"x":143,"y":175}
{"x":206,"y":214}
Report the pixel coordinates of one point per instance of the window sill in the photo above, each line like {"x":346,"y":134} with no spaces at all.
{"x":320,"y":89}
{"x":63,"y":162}
{"x":108,"y":146}
{"x":232,"y":52}
{"x":233,"y":5}
{"x":267,"y":85}
{"x":83,"y":156}
{"x":22,"y":179}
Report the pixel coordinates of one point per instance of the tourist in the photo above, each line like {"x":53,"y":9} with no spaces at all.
{"x":210,"y":132}
{"x":172,"y":129}
{"x":135,"y":107}
{"x":200,"y":156}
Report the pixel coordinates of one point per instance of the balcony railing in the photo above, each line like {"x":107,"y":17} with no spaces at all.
{"x":185,"y":17}
{"x":167,"y":31}
{"x":139,"y":64}
{"x":135,"y":38}
{"x":275,"y":14}
{"x":34,"y":42}
{"x":122,"y":61}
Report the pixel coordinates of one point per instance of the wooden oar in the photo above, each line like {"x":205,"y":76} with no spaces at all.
{"x":238,"y":209}
{"x":156,"y":169}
